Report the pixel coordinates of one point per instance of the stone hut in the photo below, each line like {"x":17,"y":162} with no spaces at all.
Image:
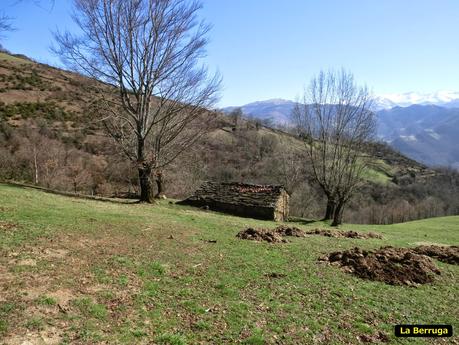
{"x":242,"y":199}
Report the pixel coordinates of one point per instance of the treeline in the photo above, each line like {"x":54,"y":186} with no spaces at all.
{"x":434,"y":197}
{"x":34,"y":153}
{"x":244,"y":151}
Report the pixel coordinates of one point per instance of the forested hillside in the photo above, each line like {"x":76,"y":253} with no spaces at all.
{"x":51,"y":135}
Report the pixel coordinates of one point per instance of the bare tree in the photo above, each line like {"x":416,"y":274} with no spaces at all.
{"x":236,"y":115}
{"x":5,"y":24}
{"x":335,"y":119}
{"x":151,"y":51}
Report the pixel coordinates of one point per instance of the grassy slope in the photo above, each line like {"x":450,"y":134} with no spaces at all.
{"x":121,"y":279}
{"x":14,"y":59}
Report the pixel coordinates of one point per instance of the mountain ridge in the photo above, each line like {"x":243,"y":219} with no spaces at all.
{"x":449,"y":99}
{"x":425,"y":132}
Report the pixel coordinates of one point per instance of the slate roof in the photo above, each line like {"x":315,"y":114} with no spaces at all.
{"x":237,"y":194}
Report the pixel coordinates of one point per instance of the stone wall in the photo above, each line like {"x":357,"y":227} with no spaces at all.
{"x":246,"y":200}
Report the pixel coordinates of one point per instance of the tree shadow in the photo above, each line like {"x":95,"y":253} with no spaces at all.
{"x":70,"y":194}
{"x":302,"y":221}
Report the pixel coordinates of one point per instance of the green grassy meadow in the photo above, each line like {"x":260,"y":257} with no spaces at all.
{"x":76,"y":271}
{"x":11,"y":58}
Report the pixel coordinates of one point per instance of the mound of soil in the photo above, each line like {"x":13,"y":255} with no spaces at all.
{"x":379,"y":337}
{"x":449,"y":254}
{"x":270,"y":235}
{"x":395,"y":266}
{"x":343,"y":234}
{"x":260,"y":235}
{"x":289,"y":231}
{"x":275,"y":275}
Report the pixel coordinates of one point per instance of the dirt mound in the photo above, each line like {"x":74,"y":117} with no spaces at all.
{"x":275,"y":275}
{"x":260,"y":235}
{"x":395,"y":266}
{"x":379,"y":337}
{"x":449,"y":254}
{"x":275,"y":235}
{"x":343,"y":234}
{"x":289,"y":231}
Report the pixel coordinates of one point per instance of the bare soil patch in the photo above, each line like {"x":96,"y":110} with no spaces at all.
{"x":379,"y":337}
{"x":449,"y":254}
{"x":7,"y":226}
{"x":260,"y":235}
{"x":394,"y":266}
{"x":289,"y":231}
{"x":26,"y":262}
{"x":48,"y":336}
{"x":5,"y":281}
{"x":343,"y":234}
{"x":275,"y":235}
{"x":63,"y":298}
{"x":50,"y":253}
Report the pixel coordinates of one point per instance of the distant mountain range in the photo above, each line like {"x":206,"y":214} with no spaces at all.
{"x":276,"y":110}
{"x":448,"y":99}
{"x":427,"y":132}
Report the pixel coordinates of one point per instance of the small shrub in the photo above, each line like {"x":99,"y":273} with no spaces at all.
{"x":138,"y":333}
{"x":171,"y":339}
{"x":89,"y":308}
{"x":3,"y":326}
{"x":123,"y":280}
{"x":201,"y":325}
{"x":35,"y":323}
{"x":47,"y":301}
{"x":152,"y":269}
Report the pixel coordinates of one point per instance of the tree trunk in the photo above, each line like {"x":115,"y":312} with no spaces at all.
{"x":330,"y":211}
{"x":338,"y":214}
{"x":35,"y":165}
{"x":146,"y":190}
{"x":159,"y":184}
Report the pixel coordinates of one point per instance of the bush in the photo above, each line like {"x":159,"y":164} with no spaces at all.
{"x":46,"y":110}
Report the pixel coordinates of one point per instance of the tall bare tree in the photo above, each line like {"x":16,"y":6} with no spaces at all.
{"x":151,"y":51}
{"x":5,"y":24}
{"x":236,"y":115}
{"x":335,"y":118}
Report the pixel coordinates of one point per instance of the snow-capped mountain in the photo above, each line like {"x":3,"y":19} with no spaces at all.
{"x":265,"y":109}
{"x":444,"y":98}
{"x":276,"y":110}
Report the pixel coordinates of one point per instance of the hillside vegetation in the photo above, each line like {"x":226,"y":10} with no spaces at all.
{"x":424,"y":132}
{"x":50,"y":135}
{"x":76,"y":271}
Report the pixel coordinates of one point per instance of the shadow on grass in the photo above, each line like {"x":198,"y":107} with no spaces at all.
{"x":70,"y":194}
{"x":302,"y":221}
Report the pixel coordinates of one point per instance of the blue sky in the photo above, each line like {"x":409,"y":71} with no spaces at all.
{"x":271,"y":48}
